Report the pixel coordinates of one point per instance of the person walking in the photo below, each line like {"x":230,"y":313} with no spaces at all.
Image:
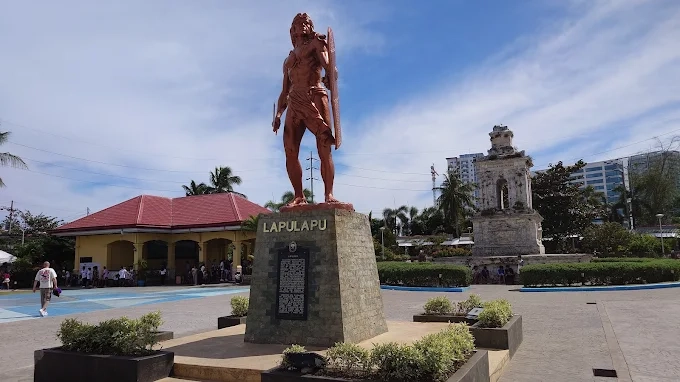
{"x":46,"y":278}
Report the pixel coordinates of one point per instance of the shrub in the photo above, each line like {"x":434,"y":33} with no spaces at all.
{"x":622,"y":260}
{"x":291,"y":349}
{"x":496,"y":313}
{"x":434,"y":358}
{"x":644,"y":246}
{"x":474,"y":301}
{"x":438,"y":305}
{"x":239,"y":306}
{"x":349,"y":359}
{"x":608,"y":239}
{"x":396,"y":362}
{"x":423,"y":274}
{"x":601,"y":273}
{"x":451,"y":252}
{"x":118,"y":336}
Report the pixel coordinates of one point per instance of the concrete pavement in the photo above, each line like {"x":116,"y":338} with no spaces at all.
{"x":565,"y":334}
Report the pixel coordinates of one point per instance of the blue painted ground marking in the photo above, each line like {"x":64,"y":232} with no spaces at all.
{"x":603,"y":288}
{"x":25,"y":306}
{"x":424,"y":289}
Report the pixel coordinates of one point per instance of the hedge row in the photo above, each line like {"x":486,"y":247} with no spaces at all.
{"x":601,"y":273}
{"x":423,"y":274}
{"x":623,"y":259}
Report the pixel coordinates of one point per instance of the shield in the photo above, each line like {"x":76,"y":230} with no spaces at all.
{"x":333,"y":83}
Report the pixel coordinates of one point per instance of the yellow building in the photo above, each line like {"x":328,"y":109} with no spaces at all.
{"x":176,"y":232}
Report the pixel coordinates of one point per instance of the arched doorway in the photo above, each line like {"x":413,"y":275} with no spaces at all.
{"x":186,"y":255}
{"x":119,"y":254}
{"x":155,"y":252}
{"x":502,"y":194}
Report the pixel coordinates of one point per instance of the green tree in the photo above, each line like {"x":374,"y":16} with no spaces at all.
{"x":39,"y":245}
{"x":655,"y":187}
{"x":608,"y":240}
{"x":456,"y":201}
{"x":429,"y":222}
{"x":195,"y":189}
{"x":395,"y":218}
{"x":223,"y":180}
{"x":561,"y":203}
{"x":286,"y":198}
{"x":7,"y":159}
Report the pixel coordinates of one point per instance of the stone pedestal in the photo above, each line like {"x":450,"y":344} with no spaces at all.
{"x":507,"y":233}
{"x":315,"y":280}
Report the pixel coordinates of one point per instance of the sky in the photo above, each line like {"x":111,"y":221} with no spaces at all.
{"x":108,"y":101}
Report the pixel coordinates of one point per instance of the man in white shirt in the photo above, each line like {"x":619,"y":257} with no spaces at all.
{"x":46,"y":278}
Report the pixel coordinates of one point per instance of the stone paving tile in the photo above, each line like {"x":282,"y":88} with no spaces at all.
{"x":563,"y":336}
{"x":648,"y":333}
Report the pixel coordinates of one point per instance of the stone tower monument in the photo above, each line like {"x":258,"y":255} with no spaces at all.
{"x":507,"y":224}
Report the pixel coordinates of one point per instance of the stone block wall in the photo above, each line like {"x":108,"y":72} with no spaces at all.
{"x":344,"y":300}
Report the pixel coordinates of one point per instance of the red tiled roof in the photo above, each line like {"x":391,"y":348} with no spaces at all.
{"x":146,"y":211}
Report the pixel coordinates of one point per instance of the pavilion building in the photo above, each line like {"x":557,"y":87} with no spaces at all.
{"x":177,"y":232}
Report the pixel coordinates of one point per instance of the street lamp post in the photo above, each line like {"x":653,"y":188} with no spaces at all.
{"x":663,"y":250}
{"x":382,"y":239}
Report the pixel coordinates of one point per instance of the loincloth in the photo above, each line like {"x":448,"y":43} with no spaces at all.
{"x":301,"y":108}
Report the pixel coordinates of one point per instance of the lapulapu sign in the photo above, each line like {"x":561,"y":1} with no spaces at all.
{"x":295,"y":226}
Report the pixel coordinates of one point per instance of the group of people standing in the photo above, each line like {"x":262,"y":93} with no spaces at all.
{"x":214,"y":273}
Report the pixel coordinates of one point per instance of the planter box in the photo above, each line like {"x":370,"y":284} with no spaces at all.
{"x":163,"y":335}
{"x":508,"y":337}
{"x":227,"y":321}
{"x":476,"y":369}
{"x":58,"y":365}
{"x":442,"y":318}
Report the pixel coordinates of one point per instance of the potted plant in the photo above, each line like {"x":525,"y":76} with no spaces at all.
{"x":116,"y":350}
{"x":448,"y":355}
{"x":441,"y":309}
{"x":497,"y":327}
{"x":142,"y":271}
{"x":239,"y":311}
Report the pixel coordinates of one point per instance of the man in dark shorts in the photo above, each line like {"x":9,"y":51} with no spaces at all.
{"x":46,"y":279}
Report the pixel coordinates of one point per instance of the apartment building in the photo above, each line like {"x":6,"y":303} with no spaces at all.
{"x":465,"y":165}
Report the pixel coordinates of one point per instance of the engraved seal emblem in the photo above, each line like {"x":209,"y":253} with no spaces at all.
{"x":292,"y":247}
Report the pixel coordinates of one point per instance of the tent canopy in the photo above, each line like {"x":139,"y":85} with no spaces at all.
{"x":6,"y":257}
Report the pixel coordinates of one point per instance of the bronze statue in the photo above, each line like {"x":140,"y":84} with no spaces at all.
{"x":307,"y":102}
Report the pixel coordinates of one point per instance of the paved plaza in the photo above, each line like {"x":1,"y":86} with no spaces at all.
{"x":566,"y":335}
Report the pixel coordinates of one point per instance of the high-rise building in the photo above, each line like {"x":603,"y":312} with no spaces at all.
{"x":643,"y":162}
{"x":604,"y":177}
{"x":465,"y":165}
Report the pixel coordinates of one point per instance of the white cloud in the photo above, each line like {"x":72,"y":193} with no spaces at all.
{"x":185,"y":86}
{"x":171,"y":85}
{"x":597,"y":79}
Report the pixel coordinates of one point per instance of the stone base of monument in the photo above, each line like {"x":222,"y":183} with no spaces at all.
{"x":504,"y":233}
{"x":222,"y":355}
{"x":315,"y":279}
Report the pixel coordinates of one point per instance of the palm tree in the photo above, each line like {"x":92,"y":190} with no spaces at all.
{"x":251,"y":223}
{"x":393,"y":218}
{"x":195,"y":189}
{"x":7,"y":159}
{"x":286,"y":198}
{"x":222,"y":180}
{"x":456,"y":200}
